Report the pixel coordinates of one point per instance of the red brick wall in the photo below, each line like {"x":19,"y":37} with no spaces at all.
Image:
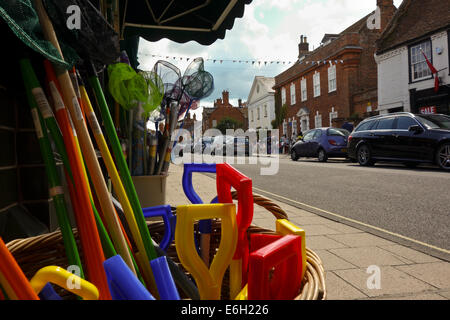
{"x":356,"y":77}
{"x":222,"y":112}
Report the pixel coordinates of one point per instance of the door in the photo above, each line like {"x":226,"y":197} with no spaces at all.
{"x":302,"y":147}
{"x":383,"y":140}
{"x":413,"y":145}
{"x":314,"y":145}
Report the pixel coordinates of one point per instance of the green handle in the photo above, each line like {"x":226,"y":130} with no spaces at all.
{"x":123,"y":168}
{"x":50,"y":165}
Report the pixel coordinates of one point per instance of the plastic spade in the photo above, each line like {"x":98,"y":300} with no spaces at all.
{"x":209,"y":280}
{"x":281,"y":253}
{"x":204,"y":225}
{"x":284,"y":227}
{"x":169,"y":219}
{"x":228,"y":177}
{"x":64,"y":279}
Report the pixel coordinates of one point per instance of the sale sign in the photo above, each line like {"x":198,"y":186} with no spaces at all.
{"x":428,"y":110}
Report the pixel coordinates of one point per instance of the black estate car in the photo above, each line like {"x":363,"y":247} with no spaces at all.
{"x":402,"y":137}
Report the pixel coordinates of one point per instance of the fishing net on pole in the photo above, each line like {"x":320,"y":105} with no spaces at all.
{"x":126,"y":86}
{"x":21,"y":17}
{"x":95,"y":40}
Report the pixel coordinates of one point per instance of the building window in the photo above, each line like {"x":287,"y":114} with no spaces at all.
{"x":292,"y":94}
{"x":214,"y":123}
{"x":258,"y":113}
{"x":333,"y":115}
{"x":253,"y":118}
{"x":283,"y":96}
{"x":284,"y":127}
{"x":265,"y":111}
{"x":332,"y":78}
{"x":303,"y":90}
{"x":318,"y":120}
{"x":316,"y":83}
{"x":419,"y":67}
{"x":294,"y":128}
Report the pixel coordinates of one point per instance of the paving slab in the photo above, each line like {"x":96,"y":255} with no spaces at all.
{"x":316,"y":229}
{"x":410,"y":254}
{"x":305,"y":221}
{"x":339,"y":289}
{"x":322,"y":242}
{"x":361,"y":240}
{"x":367,"y":256}
{"x":392,"y":282}
{"x":419,"y":296}
{"x":342,"y":228}
{"x":332,"y":262}
{"x":445,"y":294}
{"x":437,"y":274}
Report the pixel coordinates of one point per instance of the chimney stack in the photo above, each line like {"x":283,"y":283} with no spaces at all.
{"x":387,"y":11}
{"x":225,"y":95}
{"x":303,"y":46}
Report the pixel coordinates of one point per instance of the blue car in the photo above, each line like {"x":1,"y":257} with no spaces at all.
{"x":321,"y":143}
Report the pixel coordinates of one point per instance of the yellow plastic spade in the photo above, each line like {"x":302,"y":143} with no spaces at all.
{"x":285,"y":227}
{"x":64,"y":279}
{"x":209,"y":281}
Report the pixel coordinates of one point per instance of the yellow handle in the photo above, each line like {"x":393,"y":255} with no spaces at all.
{"x":64,"y":279}
{"x":209,"y":281}
{"x":141,"y":256}
{"x":235,"y":277}
{"x":243,"y":295}
{"x":285,"y":227}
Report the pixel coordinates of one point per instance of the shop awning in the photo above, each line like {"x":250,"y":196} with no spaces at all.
{"x":181,"y":21}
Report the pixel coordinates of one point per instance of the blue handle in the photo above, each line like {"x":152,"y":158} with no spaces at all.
{"x":122,"y":282}
{"x":188,"y":188}
{"x":48,"y":293}
{"x":205,"y":226}
{"x":169,"y":219}
{"x":163,"y":278}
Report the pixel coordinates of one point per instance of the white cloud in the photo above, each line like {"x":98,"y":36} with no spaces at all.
{"x":269,"y":31}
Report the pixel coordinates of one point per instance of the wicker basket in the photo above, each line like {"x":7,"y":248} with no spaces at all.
{"x":37,"y":252}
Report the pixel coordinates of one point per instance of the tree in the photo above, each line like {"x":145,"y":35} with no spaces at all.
{"x":228,"y":123}
{"x":280,"y":111}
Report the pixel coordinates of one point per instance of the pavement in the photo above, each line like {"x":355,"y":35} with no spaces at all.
{"x":358,"y":265}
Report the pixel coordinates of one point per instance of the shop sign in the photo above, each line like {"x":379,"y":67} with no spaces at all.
{"x":428,"y":110}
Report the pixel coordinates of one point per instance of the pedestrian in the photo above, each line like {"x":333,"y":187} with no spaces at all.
{"x":282,"y":142}
{"x":286,"y":145}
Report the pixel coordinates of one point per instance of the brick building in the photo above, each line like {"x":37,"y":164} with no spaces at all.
{"x":336,"y":82}
{"x":419,"y":29}
{"x":223,"y":108}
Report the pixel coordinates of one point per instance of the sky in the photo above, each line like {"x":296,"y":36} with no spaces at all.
{"x":270,"y":30}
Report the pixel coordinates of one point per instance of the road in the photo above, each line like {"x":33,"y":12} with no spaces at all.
{"x":411,"y":203}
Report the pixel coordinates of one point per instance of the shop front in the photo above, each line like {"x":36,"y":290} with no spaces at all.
{"x":428,"y":101}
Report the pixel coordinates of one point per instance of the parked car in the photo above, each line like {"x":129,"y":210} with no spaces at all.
{"x":239,"y":145}
{"x":200,"y":145}
{"x":322,"y":143}
{"x":402,"y":137}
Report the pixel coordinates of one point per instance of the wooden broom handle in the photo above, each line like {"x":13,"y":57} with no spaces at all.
{"x":70,"y":99}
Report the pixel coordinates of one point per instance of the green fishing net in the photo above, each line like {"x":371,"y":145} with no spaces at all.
{"x":126,"y":86}
{"x":23,"y":20}
{"x":155,"y":90}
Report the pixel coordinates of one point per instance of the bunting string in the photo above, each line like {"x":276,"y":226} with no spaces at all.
{"x":253,"y":62}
